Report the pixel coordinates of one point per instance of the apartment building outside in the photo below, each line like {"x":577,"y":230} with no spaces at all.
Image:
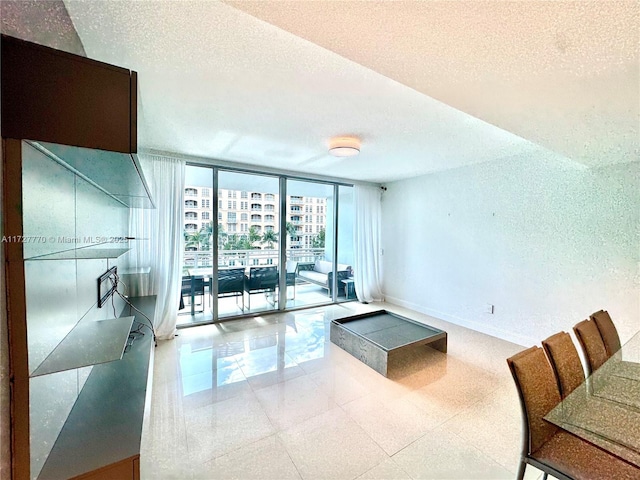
{"x":247,"y":215}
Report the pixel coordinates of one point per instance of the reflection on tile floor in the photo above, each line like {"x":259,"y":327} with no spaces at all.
{"x":272,"y":398}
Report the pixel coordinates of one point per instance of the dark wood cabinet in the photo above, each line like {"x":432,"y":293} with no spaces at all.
{"x":58,"y":97}
{"x":68,"y":100}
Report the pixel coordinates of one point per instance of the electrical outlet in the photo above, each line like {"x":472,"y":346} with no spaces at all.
{"x":488,"y":308}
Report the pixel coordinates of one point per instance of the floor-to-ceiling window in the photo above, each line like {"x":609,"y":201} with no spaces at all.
{"x":196,"y":305}
{"x":257,"y":243}
{"x":248,"y":259}
{"x":346,"y":288}
{"x":310,"y":228}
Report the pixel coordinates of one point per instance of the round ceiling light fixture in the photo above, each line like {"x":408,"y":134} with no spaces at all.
{"x":344,"y":147}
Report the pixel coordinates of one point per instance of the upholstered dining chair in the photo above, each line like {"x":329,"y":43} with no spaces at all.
{"x":545,"y":446}
{"x":565,"y":362}
{"x":607,"y":330}
{"x":592,"y":345}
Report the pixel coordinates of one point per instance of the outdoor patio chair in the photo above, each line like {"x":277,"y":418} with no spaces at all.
{"x":192,"y":287}
{"x":292,"y":271}
{"x":231,"y":284}
{"x":261,"y":280}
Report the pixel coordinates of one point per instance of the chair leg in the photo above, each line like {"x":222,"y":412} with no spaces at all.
{"x":241,"y":307}
{"x":266,"y":296}
{"x":521,"y":469}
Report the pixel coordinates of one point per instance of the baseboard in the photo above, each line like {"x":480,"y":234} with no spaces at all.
{"x":463,"y":322}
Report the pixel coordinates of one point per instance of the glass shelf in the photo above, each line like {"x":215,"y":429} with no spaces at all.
{"x":82,"y":254}
{"x":88,"y":343}
{"x":119,"y":175}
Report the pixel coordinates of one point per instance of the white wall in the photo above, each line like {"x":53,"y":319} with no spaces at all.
{"x":545,"y":240}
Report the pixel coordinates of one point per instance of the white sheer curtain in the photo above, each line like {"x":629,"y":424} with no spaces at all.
{"x":161,"y":231}
{"x":366,"y":243}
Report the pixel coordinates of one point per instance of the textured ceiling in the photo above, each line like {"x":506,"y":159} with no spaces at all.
{"x":46,"y":23}
{"x":269,"y":83}
{"x":562,"y":74}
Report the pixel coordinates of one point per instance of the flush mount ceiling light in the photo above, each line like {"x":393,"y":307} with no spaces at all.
{"x":344,"y":147}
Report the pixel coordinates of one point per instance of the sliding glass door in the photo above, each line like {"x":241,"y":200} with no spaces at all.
{"x":196,"y":301}
{"x":248,"y":238}
{"x":312,"y":219}
{"x":346,"y":213}
{"x":258,"y":243}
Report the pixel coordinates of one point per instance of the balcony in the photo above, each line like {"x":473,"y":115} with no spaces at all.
{"x":300,"y":293}
{"x":249,"y":258}
{"x":296,"y":200}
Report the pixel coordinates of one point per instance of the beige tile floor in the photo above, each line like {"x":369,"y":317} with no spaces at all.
{"x":272,"y":398}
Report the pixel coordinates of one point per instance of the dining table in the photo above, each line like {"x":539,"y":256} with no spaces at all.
{"x":200,"y":271}
{"x":605,"y":409}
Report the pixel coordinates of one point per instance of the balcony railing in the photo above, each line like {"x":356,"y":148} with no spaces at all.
{"x":249,"y":258}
